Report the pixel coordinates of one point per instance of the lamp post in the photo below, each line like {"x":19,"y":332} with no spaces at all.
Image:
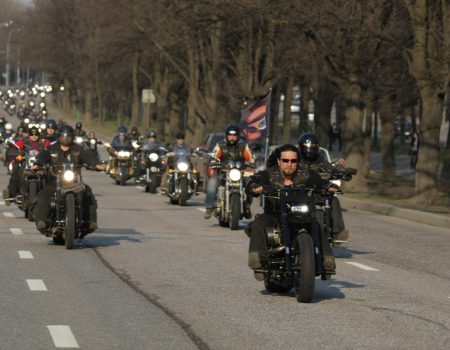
{"x":8,"y":43}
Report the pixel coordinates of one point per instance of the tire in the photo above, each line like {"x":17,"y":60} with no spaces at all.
{"x":235,"y":208}
{"x":304,"y":280}
{"x":224,"y":223}
{"x":147,"y":187}
{"x":184,"y":191}
{"x":123,"y":177}
{"x":153,"y":184}
{"x":274,"y":287}
{"x":58,"y":240}
{"x":32,"y":193}
{"x":70,"y":224}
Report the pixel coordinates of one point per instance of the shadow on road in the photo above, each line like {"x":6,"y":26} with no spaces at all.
{"x":345,"y":253}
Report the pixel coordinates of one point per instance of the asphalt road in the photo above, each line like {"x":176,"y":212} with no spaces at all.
{"x":159,"y":276}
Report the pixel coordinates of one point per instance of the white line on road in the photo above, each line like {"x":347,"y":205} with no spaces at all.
{"x":25,"y":254}
{"x":16,"y":231}
{"x":37,"y":285}
{"x":62,"y":337}
{"x":361,"y":266}
{"x":202,"y":209}
{"x":8,"y":214}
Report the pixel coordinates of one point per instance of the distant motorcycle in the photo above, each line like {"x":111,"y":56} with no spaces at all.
{"x":122,"y":164}
{"x":152,"y":168}
{"x":182,"y":182}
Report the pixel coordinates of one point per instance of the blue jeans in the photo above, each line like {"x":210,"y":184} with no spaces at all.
{"x":211,"y":190}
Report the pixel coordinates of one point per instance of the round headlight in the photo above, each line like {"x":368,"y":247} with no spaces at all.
{"x":235,"y":175}
{"x":26,"y":120}
{"x":153,"y":157}
{"x":78,"y":139}
{"x":43,"y":126}
{"x":183,"y":166}
{"x":93,"y":141}
{"x":69,"y":175}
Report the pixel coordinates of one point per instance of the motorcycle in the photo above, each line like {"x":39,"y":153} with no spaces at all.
{"x":80,"y":140}
{"x":182,"y":182}
{"x":121,"y":164}
{"x":66,"y":221}
{"x":152,"y":168}
{"x":91,"y":146}
{"x":231,"y":197}
{"x":296,"y":242}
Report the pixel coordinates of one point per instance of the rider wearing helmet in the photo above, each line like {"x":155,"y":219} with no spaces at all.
{"x":134,"y":134}
{"x":50,"y":131}
{"x":65,"y":151}
{"x":310,"y":156}
{"x":121,"y":140}
{"x":79,"y":130}
{"x":231,"y":148}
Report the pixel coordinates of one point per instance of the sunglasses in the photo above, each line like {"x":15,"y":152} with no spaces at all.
{"x":293,"y":161}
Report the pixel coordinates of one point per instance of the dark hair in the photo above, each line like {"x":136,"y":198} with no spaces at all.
{"x":287,"y":148}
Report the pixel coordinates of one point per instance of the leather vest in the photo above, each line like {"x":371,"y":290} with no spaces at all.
{"x":231,"y":152}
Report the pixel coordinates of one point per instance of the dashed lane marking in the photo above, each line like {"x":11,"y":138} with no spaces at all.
{"x":202,"y":209}
{"x":8,"y":214}
{"x":16,"y":231}
{"x":37,"y":285}
{"x":62,"y":336}
{"x":362,"y":266}
{"x":25,"y":254}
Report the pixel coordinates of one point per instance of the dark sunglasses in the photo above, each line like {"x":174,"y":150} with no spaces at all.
{"x":293,"y":161}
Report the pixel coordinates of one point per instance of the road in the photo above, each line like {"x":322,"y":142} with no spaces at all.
{"x":159,"y":276}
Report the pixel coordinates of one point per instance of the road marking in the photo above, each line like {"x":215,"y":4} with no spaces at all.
{"x":62,"y":337}
{"x":202,"y":209}
{"x":361,"y":266}
{"x":8,"y":214}
{"x":37,"y":285}
{"x":25,"y":254}
{"x":16,"y":231}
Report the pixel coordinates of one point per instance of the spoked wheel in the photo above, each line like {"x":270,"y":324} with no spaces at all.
{"x":70,"y":224}
{"x":32,"y":193}
{"x":235,"y":207}
{"x":183,"y":191}
{"x":304,"y":280}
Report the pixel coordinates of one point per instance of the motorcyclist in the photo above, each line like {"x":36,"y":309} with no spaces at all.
{"x":32,"y":143}
{"x":231,"y":148}
{"x":151,"y":142}
{"x":79,"y":130}
{"x":92,"y":143}
{"x":179,"y":146}
{"x":65,"y":150}
{"x":122,"y":140}
{"x":311,"y":157}
{"x":50,"y":131}
{"x":287,"y":173}
{"x":134,"y":134}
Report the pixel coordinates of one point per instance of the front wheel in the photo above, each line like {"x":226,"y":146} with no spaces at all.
{"x":183,"y":191}
{"x":305,"y":268}
{"x":70,"y":224}
{"x":235,"y":208}
{"x":153,"y":185}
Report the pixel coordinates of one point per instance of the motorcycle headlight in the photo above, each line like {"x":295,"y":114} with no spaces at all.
{"x":26,"y":120}
{"x":42,"y":104}
{"x":123,"y":154}
{"x":182,"y":166}
{"x":235,"y":175}
{"x":31,"y":104}
{"x":93,"y":142}
{"x":153,"y":157}
{"x":69,"y":175}
{"x":78,"y":139}
{"x":336,"y":182}
{"x":43,"y":126}
{"x":300,"y":209}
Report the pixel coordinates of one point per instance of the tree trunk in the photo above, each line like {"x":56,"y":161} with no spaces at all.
{"x":274,"y":109}
{"x":352,"y":135}
{"x":445,"y":175}
{"x":135,"y":81}
{"x":287,"y":119}
{"x":323,"y":103}
{"x":387,"y":116}
{"x":87,"y":116}
{"x":369,"y":116}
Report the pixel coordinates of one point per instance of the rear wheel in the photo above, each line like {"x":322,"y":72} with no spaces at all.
{"x":305,"y":264}
{"x":183,"y":191}
{"x":70,"y":224}
{"x":32,"y":193}
{"x":235,"y":207}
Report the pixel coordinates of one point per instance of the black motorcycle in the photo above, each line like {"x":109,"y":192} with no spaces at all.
{"x":152,"y":168}
{"x":67,"y":215}
{"x":296,"y":242}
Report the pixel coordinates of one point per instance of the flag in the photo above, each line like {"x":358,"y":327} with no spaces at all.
{"x":255,"y":119}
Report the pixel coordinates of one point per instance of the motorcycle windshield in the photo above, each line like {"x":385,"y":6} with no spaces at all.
{"x":182,"y":155}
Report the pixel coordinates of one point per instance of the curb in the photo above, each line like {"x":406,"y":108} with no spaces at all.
{"x":391,"y":210}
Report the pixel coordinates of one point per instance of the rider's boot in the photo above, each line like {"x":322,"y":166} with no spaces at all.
{"x":340,"y":237}
{"x":329,"y":263}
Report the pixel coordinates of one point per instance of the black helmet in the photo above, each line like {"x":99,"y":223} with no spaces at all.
{"x":179,"y":136}
{"x":78,"y":126}
{"x":134,"y":130}
{"x":151,"y":133}
{"x":232,"y":130}
{"x":51,"y":124}
{"x":309,"y":146}
{"x":33,"y":131}
{"x":122,"y":129}
{"x":65,"y":135}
